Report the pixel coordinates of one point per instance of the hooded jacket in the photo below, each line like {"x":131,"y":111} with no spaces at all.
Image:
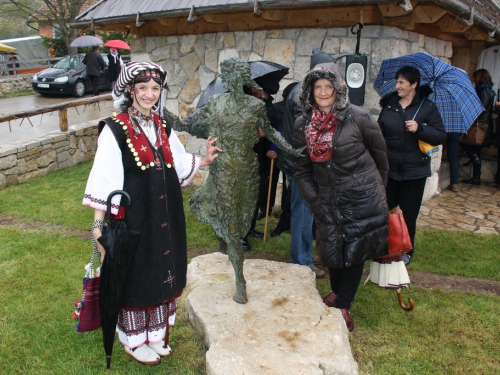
{"x":406,"y":161}
{"x":346,"y":193}
{"x":292,"y":110}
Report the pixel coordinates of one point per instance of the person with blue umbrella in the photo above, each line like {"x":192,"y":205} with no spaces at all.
{"x":409,"y":116}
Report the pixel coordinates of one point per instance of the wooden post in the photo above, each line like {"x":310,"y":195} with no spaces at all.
{"x":63,"y":119}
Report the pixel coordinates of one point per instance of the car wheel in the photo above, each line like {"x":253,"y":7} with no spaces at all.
{"x":79,"y":88}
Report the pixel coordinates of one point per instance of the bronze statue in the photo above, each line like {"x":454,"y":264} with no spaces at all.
{"x":228,"y":198}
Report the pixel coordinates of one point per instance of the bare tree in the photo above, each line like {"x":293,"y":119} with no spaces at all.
{"x":56,"y":13}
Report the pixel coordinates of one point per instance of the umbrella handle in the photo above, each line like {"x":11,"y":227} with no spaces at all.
{"x":402,"y":304}
{"x":111,"y":195}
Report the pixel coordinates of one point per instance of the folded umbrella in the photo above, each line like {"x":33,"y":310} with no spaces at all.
{"x":266,"y":74}
{"x":120,"y":244}
{"x":453,"y":92}
{"x":389,"y":271}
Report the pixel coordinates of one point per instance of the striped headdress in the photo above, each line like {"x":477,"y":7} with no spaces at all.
{"x":138,"y":69}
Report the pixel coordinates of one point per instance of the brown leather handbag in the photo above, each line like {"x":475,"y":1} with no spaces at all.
{"x":475,"y":135}
{"x":399,"y":238}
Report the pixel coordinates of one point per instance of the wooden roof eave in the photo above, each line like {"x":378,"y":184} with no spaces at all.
{"x":465,"y":12}
{"x":89,"y":21}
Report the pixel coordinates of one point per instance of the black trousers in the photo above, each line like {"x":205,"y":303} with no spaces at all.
{"x":95,"y":84}
{"x":344,"y":283}
{"x":408,"y":195}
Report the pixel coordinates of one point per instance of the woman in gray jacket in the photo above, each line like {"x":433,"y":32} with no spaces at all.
{"x":342,"y":176}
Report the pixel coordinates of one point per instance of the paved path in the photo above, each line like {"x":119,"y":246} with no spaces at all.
{"x":474,"y":209}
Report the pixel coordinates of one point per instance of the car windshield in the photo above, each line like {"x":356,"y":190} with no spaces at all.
{"x":70,"y":62}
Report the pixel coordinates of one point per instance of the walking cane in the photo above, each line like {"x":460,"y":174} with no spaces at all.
{"x":268,"y":198}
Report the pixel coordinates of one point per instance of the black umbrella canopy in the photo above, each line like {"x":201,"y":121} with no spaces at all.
{"x":120,"y":244}
{"x":266,"y":74}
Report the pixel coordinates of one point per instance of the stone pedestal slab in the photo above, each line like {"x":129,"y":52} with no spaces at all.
{"x":283,"y":329}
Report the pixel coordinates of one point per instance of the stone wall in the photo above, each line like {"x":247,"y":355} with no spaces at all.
{"x":15,"y":83}
{"x":42,"y":155}
{"x":193,"y":61}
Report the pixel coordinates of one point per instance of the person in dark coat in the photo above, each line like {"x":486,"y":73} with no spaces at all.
{"x":95,"y":63}
{"x":115,"y":64}
{"x":301,"y":217}
{"x":409,"y":116}
{"x":485,"y":92}
{"x":342,"y":178}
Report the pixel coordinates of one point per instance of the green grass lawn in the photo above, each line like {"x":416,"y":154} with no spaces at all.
{"x":41,"y":269}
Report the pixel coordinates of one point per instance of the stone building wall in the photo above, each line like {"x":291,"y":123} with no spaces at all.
{"x":15,"y":83}
{"x":193,"y":61}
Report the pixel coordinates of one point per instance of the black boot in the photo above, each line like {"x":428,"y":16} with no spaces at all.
{"x":476,"y":176}
{"x":474,"y":159}
{"x":476,"y":180}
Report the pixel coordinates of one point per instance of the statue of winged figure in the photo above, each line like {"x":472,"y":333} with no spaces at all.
{"x":228,"y":198}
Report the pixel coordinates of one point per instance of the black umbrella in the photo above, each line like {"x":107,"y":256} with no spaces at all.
{"x":266,"y":74}
{"x":120,"y":244}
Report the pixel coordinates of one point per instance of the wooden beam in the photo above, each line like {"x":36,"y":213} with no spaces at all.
{"x":274,"y":14}
{"x":452,"y":24}
{"x":168,"y":21}
{"x":391,"y":10}
{"x":475,"y":33}
{"x":427,"y":13}
{"x":405,"y":22}
{"x":215,"y":18}
{"x":63,"y":119}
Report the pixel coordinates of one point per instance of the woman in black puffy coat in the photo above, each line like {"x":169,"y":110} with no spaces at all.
{"x":409,"y":116}
{"x":342,"y":177}
{"x":485,"y":92}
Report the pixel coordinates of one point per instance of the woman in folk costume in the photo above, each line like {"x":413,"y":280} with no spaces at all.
{"x":115,"y":64}
{"x":137,"y":152}
{"x":342,"y":177}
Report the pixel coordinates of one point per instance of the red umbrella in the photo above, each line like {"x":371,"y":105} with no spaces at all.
{"x":116,"y":43}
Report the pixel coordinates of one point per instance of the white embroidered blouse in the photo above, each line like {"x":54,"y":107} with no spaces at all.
{"x":107,"y":171}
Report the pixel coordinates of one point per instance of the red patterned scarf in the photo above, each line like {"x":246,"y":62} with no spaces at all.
{"x":319,"y":134}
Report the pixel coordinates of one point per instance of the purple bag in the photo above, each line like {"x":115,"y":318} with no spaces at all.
{"x":87,"y":311}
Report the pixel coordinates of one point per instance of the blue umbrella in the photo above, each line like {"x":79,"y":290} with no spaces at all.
{"x":453,"y":94}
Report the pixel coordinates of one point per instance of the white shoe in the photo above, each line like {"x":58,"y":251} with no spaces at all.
{"x":160,"y":350}
{"x":144,"y":354}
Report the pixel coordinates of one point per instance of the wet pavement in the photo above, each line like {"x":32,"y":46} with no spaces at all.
{"x":473,"y":209}
{"x":23,"y":130}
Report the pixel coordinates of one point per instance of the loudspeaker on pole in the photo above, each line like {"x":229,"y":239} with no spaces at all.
{"x":355,"y":76}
